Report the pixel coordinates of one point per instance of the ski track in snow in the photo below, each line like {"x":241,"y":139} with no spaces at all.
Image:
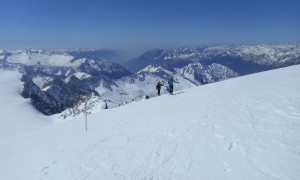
{"x":249,"y":132}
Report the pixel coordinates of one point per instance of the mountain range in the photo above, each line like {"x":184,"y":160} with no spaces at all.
{"x":56,"y":81}
{"x":241,"y":59}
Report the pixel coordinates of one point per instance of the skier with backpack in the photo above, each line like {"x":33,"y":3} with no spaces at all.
{"x":158,"y":87}
{"x":171,"y":82}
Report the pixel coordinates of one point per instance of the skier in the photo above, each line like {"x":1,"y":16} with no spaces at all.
{"x":158,"y":87}
{"x":171,"y":82}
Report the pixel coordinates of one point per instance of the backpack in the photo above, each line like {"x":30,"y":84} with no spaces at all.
{"x":158,"y":85}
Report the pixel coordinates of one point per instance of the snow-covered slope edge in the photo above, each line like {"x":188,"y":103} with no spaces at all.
{"x":250,"y":132}
{"x":17,"y":114}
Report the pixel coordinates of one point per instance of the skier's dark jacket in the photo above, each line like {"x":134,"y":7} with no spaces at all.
{"x":159,"y":85}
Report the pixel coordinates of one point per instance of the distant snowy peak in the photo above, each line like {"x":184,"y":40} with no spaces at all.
{"x":176,"y":58}
{"x":157,"y":71}
{"x":261,"y":57}
{"x":155,"y":54}
{"x":201,"y":74}
{"x":43,"y":57}
{"x":107,"y":66}
{"x":48,"y":63}
{"x":56,"y":57}
{"x":78,"y":76}
{"x":81,"y":75}
{"x":152,"y":69}
{"x":96,"y":67}
{"x":178,"y":54}
{"x":266,"y":55}
{"x":184,"y":50}
{"x":2,"y":54}
{"x":183,"y":54}
{"x":94,"y":53}
{"x":195,"y":72}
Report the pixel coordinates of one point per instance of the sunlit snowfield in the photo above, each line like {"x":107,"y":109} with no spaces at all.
{"x":242,"y":128}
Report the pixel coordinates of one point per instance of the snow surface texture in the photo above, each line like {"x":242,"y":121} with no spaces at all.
{"x":16,"y":113}
{"x":242,"y":128}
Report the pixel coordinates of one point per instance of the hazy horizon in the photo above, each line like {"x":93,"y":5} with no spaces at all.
{"x":134,"y":52}
{"x":135,"y":24}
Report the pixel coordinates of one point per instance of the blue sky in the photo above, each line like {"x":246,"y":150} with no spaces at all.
{"x":133,"y":24}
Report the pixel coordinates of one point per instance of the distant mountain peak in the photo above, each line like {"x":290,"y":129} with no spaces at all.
{"x":151,"y":68}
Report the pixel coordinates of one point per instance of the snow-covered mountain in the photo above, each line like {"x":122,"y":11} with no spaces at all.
{"x":177,"y":58}
{"x":243,"y":128}
{"x":203,"y":74}
{"x":241,"y":59}
{"x":144,"y":81}
{"x":57,"y":80}
{"x":250,"y":59}
{"x":95,"y":54}
{"x":67,"y":85}
{"x":56,"y":57}
{"x":265,"y":55}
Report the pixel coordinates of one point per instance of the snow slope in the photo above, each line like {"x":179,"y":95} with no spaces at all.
{"x":242,"y":128}
{"x":17,"y":115}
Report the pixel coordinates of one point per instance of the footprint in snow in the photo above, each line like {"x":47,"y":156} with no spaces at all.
{"x":226,"y":167}
{"x":232,"y":146}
